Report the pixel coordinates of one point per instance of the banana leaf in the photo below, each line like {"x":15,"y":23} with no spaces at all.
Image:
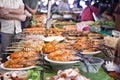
{"x":100,"y":75}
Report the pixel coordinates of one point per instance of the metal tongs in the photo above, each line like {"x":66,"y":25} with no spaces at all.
{"x":104,"y":49}
{"x":85,"y":60}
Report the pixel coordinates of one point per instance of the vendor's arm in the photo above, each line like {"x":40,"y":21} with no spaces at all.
{"x":3,"y":11}
{"x":115,"y":14}
{"x":108,"y":17}
{"x":32,"y":11}
{"x":14,"y":17}
{"x":18,"y":11}
{"x":13,"y":14}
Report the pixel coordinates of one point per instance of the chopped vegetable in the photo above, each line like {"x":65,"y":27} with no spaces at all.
{"x":33,"y":75}
{"x":107,"y":23}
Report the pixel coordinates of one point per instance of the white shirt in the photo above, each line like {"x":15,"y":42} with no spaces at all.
{"x":11,"y":26}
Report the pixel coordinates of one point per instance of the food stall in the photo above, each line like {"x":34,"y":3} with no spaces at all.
{"x":60,"y":50}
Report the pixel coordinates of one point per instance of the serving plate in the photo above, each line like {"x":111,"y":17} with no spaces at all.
{"x":57,"y":38}
{"x":59,"y":65}
{"x":26,"y":68}
{"x":91,"y":53}
{"x":13,"y":50}
{"x":60,"y":62}
{"x":56,"y":16}
{"x":67,"y":16}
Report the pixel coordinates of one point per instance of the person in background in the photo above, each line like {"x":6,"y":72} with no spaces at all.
{"x":108,"y":13}
{"x":31,"y":7}
{"x":116,"y":10}
{"x":116,"y":14}
{"x":54,"y":7}
{"x":87,"y":12}
{"x":78,"y":4}
{"x":113,"y":14}
{"x":63,"y":6}
{"x":12,"y":13}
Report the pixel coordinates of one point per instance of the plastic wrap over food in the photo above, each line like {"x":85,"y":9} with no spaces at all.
{"x":82,"y":27}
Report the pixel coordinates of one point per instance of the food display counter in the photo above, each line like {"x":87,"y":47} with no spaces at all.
{"x":42,"y":52}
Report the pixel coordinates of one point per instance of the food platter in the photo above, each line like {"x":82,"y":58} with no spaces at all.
{"x":91,"y":53}
{"x":60,"y":62}
{"x":8,"y":58}
{"x":26,"y":68}
{"x":60,"y":65}
{"x":57,"y":38}
{"x":67,"y":16}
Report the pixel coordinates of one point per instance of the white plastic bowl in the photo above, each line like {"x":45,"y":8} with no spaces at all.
{"x":59,"y":65}
{"x":57,"y":38}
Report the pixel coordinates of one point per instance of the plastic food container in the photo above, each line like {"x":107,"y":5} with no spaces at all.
{"x":93,"y":65}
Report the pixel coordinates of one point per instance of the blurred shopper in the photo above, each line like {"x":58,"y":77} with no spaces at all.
{"x":54,"y":7}
{"x":63,"y":6}
{"x":116,"y":14}
{"x":31,"y":7}
{"x":12,"y":13}
{"x":108,"y":13}
{"x":78,"y":4}
{"x":87,"y":14}
{"x":113,"y":14}
{"x":117,"y":10}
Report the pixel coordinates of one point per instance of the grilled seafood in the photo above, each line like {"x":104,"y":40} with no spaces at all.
{"x":86,"y":45}
{"x":69,"y":28}
{"x":49,"y":47}
{"x":74,"y":33}
{"x":39,"y":18}
{"x":18,"y":63}
{"x":62,"y":55}
{"x":64,"y":23}
{"x":54,"y":32}
{"x":53,"y":46}
{"x":33,"y":45}
{"x":40,"y":30}
{"x":38,"y":25}
{"x":22,"y":54}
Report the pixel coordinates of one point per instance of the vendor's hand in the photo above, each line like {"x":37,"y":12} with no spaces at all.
{"x":22,"y":17}
{"x":27,"y":13}
{"x":110,"y":18}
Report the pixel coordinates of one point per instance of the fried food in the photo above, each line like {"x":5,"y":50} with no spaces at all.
{"x":84,"y":44}
{"x":61,"y":55}
{"x":22,"y":54}
{"x":18,"y":63}
{"x":53,"y":46}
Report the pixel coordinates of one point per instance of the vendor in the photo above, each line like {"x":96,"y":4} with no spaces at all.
{"x":87,"y":14}
{"x":10,"y":18}
{"x":117,"y":16}
{"x":63,"y":6}
{"x":31,"y":7}
{"x":108,"y":13}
